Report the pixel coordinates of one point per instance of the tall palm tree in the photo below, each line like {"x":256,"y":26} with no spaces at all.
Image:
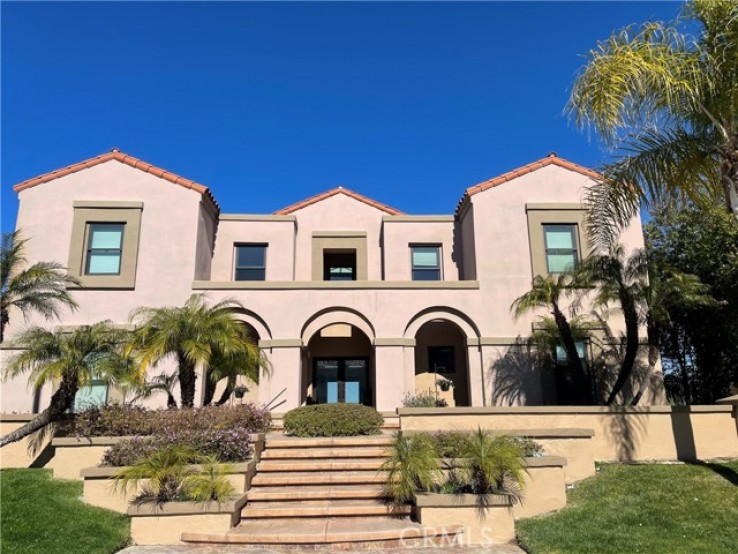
{"x":245,"y":363}
{"x":40,"y":287}
{"x":192,"y":334}
{"x":667,"y":99}
{"x":70,"y":359}
{"x":546,"y":292}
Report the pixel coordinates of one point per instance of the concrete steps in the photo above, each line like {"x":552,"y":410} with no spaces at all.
{"x":324,"y":491}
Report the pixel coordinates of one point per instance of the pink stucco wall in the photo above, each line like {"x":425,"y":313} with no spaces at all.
{"x":183,"y":249}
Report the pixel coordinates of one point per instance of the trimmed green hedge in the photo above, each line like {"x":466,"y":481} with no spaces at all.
{"x":333,"y":420}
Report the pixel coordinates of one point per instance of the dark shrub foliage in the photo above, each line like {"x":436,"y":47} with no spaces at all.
{"x":116,"y":420}
{"x":333,"y":420}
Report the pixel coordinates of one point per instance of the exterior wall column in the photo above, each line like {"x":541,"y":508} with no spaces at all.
{"x":477,"y":379}
{"x":390,"y":373}
{"x":285,"y":356}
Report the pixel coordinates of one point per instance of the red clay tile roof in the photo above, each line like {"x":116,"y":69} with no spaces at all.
{"x":338,"y":190}
{"x":551,"y":159}
{"x":116,"y":154}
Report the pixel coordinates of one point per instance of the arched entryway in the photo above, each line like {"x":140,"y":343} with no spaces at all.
{"x":338,"y":361}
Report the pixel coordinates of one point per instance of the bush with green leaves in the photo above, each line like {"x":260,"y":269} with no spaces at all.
{"x":413,"y":465}
{"x":449,"y":444}
{"x":170,"y":477}
{"x":333,"y":420}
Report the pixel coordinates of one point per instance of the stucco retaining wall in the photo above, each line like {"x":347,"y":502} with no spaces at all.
{"x":620,"y":434}
{"x":99,"y":486}
{"x":22,"y":453}
{"x":152,"y":525}
{"x":485,"y":523}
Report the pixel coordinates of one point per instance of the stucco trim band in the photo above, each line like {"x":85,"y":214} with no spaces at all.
{"x":521,"y":410}
{"x":280,"y":343}
{"x":333,"y":285}
{"x":394,"y":342}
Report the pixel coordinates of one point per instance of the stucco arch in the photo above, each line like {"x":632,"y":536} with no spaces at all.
{"x":336,"y":315}
{"x":461,"y":320}
{"x":256,"y":321}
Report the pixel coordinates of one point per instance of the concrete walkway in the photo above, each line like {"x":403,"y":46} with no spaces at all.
{"x":366,"y":547}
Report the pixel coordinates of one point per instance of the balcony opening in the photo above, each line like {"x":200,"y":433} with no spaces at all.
{"x":339,"y":265}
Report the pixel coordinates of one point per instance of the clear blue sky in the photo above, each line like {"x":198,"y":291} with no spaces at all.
{"x":268,"y":103}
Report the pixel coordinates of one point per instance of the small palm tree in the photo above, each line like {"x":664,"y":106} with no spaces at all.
{"x":210,"y":483}
{"x":192,"y":334}
{"x":493,"y":464}
{"x":40,"y":287}
{"x":71,"y":359}
{"x":413,"y":465}
{"x":547,"y":292}
{"x":665,"y":96}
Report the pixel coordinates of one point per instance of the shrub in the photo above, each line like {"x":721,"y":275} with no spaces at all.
{"x":413,"y":465}
{"x":226,"y":445}
{"x":119,"y":420}
{"x":449,"y":444}
{"x":333,"y":420}
{"x":423,"y":400}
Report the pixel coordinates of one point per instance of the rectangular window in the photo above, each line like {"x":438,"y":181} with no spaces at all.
{"x":562,"y":253}
{"x":96,"y":394}
{"x":104,"y":248}
{"x":250,"y":262}
{"x":339,"y":265}
{"x":426,"y":263}
{"x":561,"y":353}
{"x":441,"y":359}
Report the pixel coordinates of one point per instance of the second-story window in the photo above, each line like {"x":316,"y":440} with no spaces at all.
{"x":104,"y":248}
{"x":339,"y":265}
{"x":426,"y":262}
{"x":562,"y":253}
{"x":250,"y":262}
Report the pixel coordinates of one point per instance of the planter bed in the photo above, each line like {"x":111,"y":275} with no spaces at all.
{"x":70,"y":455}
{"x":152,"y":524}
{"x":99,"y":485}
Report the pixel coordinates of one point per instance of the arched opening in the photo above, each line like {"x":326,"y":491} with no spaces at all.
{"x":441,"y":365}
{"x":338,"y":366}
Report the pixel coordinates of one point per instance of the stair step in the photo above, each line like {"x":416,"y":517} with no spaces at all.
{"x":317,"y":453}
{"x":258,"y":494}
{"x":285,"y":478}
{"x":322,"y":508}
{"x":347,"y":464}
{"x":273,"y":442}
{"x":343,"y":530}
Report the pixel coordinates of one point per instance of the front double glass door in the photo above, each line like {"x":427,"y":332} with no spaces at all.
{"x":342,"y":380}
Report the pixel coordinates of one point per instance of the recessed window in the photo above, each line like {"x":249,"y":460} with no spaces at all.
{"x":562,"y":253}
{"x":104,"y":248}
{"x":250,"y":262}
{"x":339,"y":265}
{"x":426,"y":262}
{"x":96,"y":394}
{"x":441,"y":359}
{"x":561,"y":359}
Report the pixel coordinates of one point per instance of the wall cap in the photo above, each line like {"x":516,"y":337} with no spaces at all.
{"x":108,"y":472}
{"x":562,"y":433}
{"x":436,"y":500}
{"x":20,"y":418}
{"x":76,"y":442}
{"x":520,"y":410}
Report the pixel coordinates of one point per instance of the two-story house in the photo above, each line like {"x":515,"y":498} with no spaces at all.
{"x":351,"y":299}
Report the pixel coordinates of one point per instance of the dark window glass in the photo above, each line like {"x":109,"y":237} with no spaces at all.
{"x":426,"y":263}
{"x":250,"y":262}
{"x":104,"y":248}
{"x":561,"y":247}
{"x":441,"y":359}
{"x":339,"y":266}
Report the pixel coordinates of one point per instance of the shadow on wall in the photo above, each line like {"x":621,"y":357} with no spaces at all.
{"x":625,"y":429}
{"x":521,"y":377}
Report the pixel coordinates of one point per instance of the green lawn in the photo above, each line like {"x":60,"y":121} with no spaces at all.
{"x":654,"y":509}
{"x":39,"y":515}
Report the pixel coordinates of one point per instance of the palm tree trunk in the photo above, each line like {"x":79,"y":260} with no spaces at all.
{"x":187,"y":378}
{"x":230,"y":385}
{"x":630,"y":314}
{"x":61,"y":401}
{"x":209,"y":385}
{"x":654,"y":348}
{"x":572,"y":356}
{"x":4,"y":320}
{"x":729,"y":178}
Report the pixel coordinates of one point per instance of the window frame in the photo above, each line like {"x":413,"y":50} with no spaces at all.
{"x":552,"y":214}
{"x":236,"y":267}
{"x":573,"y":229}
{"x":89,"y":249}
{"x":327,"y":267}
{"x":439,"y":262}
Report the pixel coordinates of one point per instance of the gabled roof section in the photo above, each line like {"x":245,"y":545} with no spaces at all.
{"x":122,"y":157}
{"x":338,"y":190}
{"x":551,"y":159}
